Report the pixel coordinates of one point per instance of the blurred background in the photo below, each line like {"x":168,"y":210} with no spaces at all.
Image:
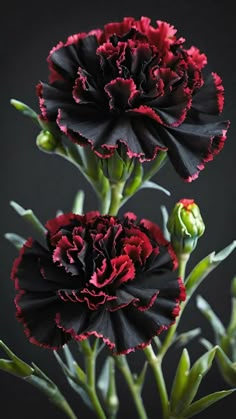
{"x":46,"y":183}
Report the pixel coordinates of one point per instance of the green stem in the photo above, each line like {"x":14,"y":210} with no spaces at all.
{"x":67,"y":409}
{"x":182,"y":260}
{"x":155,"y":363}
{"x":104,"y":202}
{"x":112,"y":401}
{"x":90,"y":365}
{"x":157,"y":165}
{"x":123,"y":366}
{"x":116,"y":197}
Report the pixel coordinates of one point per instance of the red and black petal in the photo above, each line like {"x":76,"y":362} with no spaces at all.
{"x":193,"y":144}
{"x":99,"y":275}
{"x":128,"y":81}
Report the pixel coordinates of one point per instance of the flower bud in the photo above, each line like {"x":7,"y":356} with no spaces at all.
{"x":118,"y":167}
{"x":185,"y":225}
{"x":47,"y":142}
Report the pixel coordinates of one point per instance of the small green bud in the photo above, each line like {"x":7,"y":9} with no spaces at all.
{"x":118,"y":167}
{"x":47,"y":142}
{"x":185,"y":225}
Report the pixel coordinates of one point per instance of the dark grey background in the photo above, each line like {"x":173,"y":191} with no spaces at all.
{"x":46,"y":183}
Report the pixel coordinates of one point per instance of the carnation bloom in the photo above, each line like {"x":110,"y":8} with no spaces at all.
{"x":99,"y":275}
{"x":136,"y":84}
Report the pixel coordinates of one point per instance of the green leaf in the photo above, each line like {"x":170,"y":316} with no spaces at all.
{"x":185,"y":337}
{"x":29,"y":216}
{"x":197,"y":372}
{"x":205,"y":266}
{"x":205,"y":402}
{"x":195,"y":376}
{"x":44,"y":384}
{"x":228,"y":341}
{"x":180,"y":381}
{"x":103,"y":379}
{"x":107,"y":387}
{"x":140,"y":379}
{"x":25,"y":110}
{"x":78,"y":203}
{"x":152,"y":185}
{"x":227,"y":367}
{"x":59,"y":212}
{"x":165,"y":217}
{"x":36,"y":377}
{"x":206,"y":343}
{"x":15,"y":239}
{"x":231,"y":329}
{"x":213,"y":319}
{"x":77,"y":382}
{"x":14,"y":365}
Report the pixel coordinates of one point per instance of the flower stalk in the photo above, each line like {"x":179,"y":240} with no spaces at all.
{"x":116,"y":197}
{"x":155,"y":364}
{"x":90,"y":365}
{"x":123,"y":366}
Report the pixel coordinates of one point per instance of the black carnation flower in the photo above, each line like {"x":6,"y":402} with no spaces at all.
{"x":138,"y":85}
{"x":99,"y":275}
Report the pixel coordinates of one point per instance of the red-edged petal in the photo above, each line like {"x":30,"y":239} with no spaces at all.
{"x":210,"y":98}
{"x":121,"y":92}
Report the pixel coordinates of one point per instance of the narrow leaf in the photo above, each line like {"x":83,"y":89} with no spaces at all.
{"x":59,"y":212}
{"x":77,"y":385}
{"x":213,"y":319}
{"x":184,"y":338}
{"x":141,"y":377}
{"x":191,"y":385}
{"x":15,"y":239}
{"x":206,"y":343}
{"x":165,"y":217}
{"x":15,"y":365}
{"x":231,"y":330}
{"x":103,"y":379}
{"x":180,"y":382}
{"x":205,"y":402}
{"x":73,"y":366}
{"x":152,"y":185}
{"x":78,"y":203}
{"x":227,"y":367}
{"x":29,"y":216}
{"x":69,"y":357}
{"x":205,"y":266}
{"x":107,"y":387}
{"x":51,"y":391}
{"x":25,"y":110}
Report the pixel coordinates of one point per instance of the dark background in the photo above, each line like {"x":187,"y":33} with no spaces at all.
{"x":46,"y":183}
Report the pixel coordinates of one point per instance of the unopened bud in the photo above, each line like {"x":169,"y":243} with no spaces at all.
{"x":185,"y":225}
{"x":47,"y":142}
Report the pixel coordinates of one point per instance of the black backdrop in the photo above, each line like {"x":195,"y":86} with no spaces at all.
{"x":46,"y":183}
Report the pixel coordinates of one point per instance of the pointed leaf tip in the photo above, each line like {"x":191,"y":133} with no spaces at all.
{"x":29,"y":216}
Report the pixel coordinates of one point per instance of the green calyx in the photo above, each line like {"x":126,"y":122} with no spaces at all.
{"x":185,"y":225}
{"x":118,"y":167}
